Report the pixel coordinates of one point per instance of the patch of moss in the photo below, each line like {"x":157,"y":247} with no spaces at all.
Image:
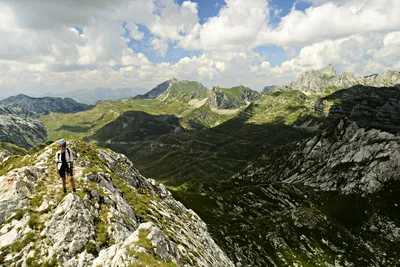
{"x":18,"y":246}
{"x":102,"y":237}
{"x":90,"y":170}
{"x":34,"y":221}
{"x":91,"y":248}
{"x":139,"y":201}
{"x":31,"y":262}
{"x":37,"y":200}
{"x":19,"y":215}
{"x":51,"y":263}
{"x":147,"y":260}
{"x":143,"y":241}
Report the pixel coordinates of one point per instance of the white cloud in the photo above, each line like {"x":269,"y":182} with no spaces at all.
{"x":330,"y":21}
{"x":160,"y":45}
{"x":235,"y":28}
{"x":134,"y":31}
{"x":42,"y":48}
{"x":174,"y":20}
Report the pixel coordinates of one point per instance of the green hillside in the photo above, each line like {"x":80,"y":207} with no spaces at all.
{"x":184,"y":99}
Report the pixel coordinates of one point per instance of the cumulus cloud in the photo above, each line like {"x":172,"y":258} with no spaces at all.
{"x":235,"y":27}
{"x":160,"y":45}
{"x":134,"y":31}
{"x":331,"y":21}
{"x":88,"y":43}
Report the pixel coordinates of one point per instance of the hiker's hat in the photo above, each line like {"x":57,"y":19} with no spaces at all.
{"x":63,"y":143}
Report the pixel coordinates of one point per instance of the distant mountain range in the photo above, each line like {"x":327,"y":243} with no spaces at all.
{"x":21,"y":127}
{"x":45,"y":105}
{"x":92,"y":96}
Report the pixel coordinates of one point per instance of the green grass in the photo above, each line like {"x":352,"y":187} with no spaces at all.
{"x":18,"y":246}
{"x":147,"y":260}
{"x":143,"y":241}
{"x":102,"y":237}
{"x":91,"y":248}
{"x":34,"y":221}
{"x":37,"y":200}
{"x":138,"y":199}
{"x":72,"y":125}
{"x":15,"y":162}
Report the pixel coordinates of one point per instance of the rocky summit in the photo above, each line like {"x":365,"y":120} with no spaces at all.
{"x":21,"y":127}
{"x":317,"y":81}
{"x":116,"y":218}
{"x":232,"y":98}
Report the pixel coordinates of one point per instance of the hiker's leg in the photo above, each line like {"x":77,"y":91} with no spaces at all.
{"x":71,"y":179}
{"x":64,"y":184}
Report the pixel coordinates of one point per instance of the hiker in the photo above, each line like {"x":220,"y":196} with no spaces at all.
{"x":65,"y":159}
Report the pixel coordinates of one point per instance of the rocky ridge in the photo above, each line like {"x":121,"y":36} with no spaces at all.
{"x":343,"y":158}
{"x":45,"y":105}
{"x":21,"y":128}
{"x":329,"y":200}
{"x":232,"y":98}
{"x":317,"y":81}
{"x":370,"y":107}
{"x":116,"y":218}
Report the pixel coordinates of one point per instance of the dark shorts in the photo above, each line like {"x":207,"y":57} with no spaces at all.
{"x":65,"y":171}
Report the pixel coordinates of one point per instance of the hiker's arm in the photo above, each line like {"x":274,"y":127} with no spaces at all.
{"x":56,"y":163}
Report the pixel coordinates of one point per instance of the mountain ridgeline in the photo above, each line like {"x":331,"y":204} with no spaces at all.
{"x":45,"y":105}
{"x":305,"y":174}
{"x":92,"y":96}
{"x":116,"y":218}
{"x":317,"y":81}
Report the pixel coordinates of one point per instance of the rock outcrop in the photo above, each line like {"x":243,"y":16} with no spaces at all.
{"x":343,"y":158}
{"x":232,"y":98}
{"x":21,"y":128}
{"x":317,"y":81}
{"x":116,"y":218}
{"x":370,"y":107}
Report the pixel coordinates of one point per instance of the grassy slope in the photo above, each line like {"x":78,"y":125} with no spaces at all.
{"x":214,"y":153}
{"x":83,"y":124}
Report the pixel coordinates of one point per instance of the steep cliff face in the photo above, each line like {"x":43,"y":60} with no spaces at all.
{"x":343,"y":158}
{"x":45,"y":105}
{"x":368,"y":106}
{"x":20,"y":127}
{"x":116,"y":218}
{"x":232,"y":98}
{"x":317,"y":81}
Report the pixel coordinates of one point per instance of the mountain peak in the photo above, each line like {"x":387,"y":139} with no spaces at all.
{"x":329,"y":70}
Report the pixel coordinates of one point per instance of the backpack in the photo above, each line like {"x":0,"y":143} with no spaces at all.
{"x":59,"y":154}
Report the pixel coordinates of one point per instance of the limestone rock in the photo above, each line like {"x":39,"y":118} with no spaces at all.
{"x":70,"y":228}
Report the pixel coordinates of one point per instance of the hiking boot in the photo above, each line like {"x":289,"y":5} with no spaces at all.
{"x":65,"y":190}
{"x":74,"y":190}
